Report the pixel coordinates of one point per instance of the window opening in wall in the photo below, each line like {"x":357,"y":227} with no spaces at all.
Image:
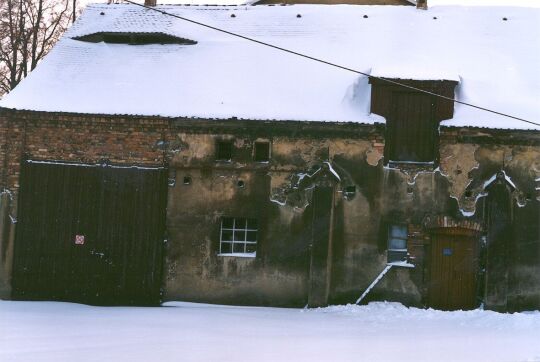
{"x":238,"y":237}
{"x":187,"y":180}
{"x":224,"y":150}
{"x":262,"y":152}
{"x":397,"y":243}
{"x":350,"y":192}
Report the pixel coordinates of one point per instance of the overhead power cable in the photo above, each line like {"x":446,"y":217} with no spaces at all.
{"x":328,"y":63}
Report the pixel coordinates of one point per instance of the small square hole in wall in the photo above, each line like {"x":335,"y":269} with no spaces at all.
{"x":350,"y":192}
{"x":350,"y":189}
{"x":262,"y":152}
{"x":187,"y":180}
{"x":224,"y":150}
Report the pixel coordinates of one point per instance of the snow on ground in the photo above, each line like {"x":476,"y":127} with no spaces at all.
{"x":51,"y":331}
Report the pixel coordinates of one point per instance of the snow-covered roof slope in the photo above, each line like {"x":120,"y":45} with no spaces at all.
{"x":496,"y":62}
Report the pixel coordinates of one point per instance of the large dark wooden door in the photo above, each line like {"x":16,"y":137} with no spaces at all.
{"x":90,"y":233}
{"x":453,"y":269}
{"x":411,"y":128}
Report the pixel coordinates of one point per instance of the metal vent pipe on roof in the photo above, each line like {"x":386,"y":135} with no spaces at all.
{"x":150,"y":2}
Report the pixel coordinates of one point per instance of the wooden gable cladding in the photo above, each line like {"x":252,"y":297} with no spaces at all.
{"x":383,"y":94}
{"x":412,"y":117}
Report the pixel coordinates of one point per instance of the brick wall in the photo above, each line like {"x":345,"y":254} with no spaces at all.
{"x":77,"y":138}
{"x":137,"y":140}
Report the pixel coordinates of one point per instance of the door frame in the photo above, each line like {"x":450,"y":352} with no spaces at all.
{"x":467,"y":236}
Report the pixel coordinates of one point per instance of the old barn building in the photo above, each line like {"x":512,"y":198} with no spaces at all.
{"x":148,"y":158}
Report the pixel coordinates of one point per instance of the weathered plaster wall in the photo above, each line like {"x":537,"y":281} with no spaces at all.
{"x":196,"y":272}
{"x":272,"y":192}
{"x":279,"y":194}
{"x":470,"y":159}
{"x":275,"y":194}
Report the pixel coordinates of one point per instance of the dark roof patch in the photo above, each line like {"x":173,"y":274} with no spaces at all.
{"x":134,"y":38}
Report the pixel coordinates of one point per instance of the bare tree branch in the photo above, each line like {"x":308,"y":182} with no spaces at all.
{"x":28,"y":30}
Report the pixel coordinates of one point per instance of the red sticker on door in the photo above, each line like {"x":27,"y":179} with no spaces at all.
{"x":79,"y":239}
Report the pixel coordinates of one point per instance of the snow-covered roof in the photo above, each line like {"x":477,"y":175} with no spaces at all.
{"x":495,"y":60}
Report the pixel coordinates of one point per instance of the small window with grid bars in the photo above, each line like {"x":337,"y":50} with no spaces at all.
{"x":238,"y":237}
{"x":397,"y":243}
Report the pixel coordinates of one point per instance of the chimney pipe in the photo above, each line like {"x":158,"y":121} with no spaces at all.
{"x":150,"y":2}
{"x":421,"y":4}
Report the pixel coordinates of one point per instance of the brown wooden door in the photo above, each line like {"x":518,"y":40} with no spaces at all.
{"x":411,"y":129}
{"x":453,"y":270}
{"x":90,"y":233}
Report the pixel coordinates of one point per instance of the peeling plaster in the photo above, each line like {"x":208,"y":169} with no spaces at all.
{"x":373,"y":156}
{"x":457,"y":163}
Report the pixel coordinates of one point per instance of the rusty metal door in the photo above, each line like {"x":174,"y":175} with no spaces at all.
{"x":89,"y":233}
{"x":453,"y":270}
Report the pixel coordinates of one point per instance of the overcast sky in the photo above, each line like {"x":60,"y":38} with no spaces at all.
{"x":533,"y":3}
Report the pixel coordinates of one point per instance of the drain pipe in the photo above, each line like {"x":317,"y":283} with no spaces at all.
{"x":372,"y":285}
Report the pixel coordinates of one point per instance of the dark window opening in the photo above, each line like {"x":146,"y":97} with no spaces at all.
{"x":187,"y":180}
{"x":397,"y":243}
{"x":224,"y":150}
{"x":262,"y":152}
{"x":134,"y":38}
{"x":350,"y":192}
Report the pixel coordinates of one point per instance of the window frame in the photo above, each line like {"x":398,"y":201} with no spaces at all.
{"x":248,"y":228}
{"x":268,"y":151}
{"x":218,"y":152}
{"x":402,"y":252}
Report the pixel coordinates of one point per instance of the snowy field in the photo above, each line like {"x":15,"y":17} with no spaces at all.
{"x":50,"y":331}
